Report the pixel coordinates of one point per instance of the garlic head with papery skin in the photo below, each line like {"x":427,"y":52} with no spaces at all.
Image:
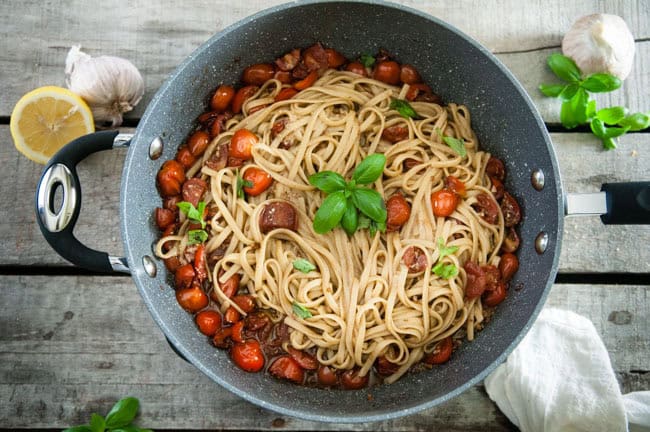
{"x":600,"y":43}
{"x":110,"y":85}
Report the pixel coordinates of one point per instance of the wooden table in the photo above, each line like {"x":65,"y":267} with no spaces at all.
{"x":73,"y":342}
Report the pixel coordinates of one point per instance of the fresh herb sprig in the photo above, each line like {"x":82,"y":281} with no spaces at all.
{"x":404,"y":108}
{"x":346,"y":202}
{"x":303,"y":266}
{"x":241,"y":184}
{"x":579,"y":109}
{"x":119,"y":419}
{"x":457,"y":145}
{"x":445,"y":271}
{"x":195,"y":215}
{"x":300,"y":311}
{"x":367,"y":60}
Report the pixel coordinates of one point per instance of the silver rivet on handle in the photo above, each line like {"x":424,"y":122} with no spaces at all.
{"x":156,"y":148}
{"x":537,"y":179}
{"x":541,"y":242}
{"x":149,"y":266}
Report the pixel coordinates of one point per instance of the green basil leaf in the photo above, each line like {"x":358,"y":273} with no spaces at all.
{"x":569,"y":91}
{"x":122,"y":413}
{"x":367,"y":60}
{"x":457,"y":145}
{"x":574,"y":111}
{"x":444,"y":250}
{"x":330,"y":212}
{"x":129,"y":428}
{"x":370,"y":169}
{"x":404,"y":108}
{"x":601,"y":82}
{"x":598,"y":127}
{"x":551,"y":90}
{"x":609,"y":143}
{"x":445,"y":271}
{"x":187,"y":208}
{"x":612,"y":115}
{"x":364,"y":222}
{"x":370,"y":203}
{"x":350,"y":219}
{"x":564,"y":67}
{"x":241,"y":184}
{"x":196,"y":236}
{"x":97,"y":423}
{"x":303,"y":266}
{"x":636,"y":121}
{"x":81,"y":428}
{"x":327,"y":181}
{"x":300,"y":310}
{"x":591,"y":109}
{"x":193,"y":214}
{"x":613,"y":132}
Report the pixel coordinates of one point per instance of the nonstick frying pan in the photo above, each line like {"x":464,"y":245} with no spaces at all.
{"x":458,"y":69}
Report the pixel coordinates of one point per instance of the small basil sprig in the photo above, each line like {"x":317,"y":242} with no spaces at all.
{"x":367,"y":60}
{"x":119,"y":419}
{"x":403,"y":108}
{"x":445,"y":271}
{"x":457,"y":145}
{"x":577,"y":107}
{"x":194,"y":214}
{"x":241,"y":184}
{"x":196,"y":236}
{"x":304,"y":266}
{"x":300,"y":310}
{"x":347,"y":199}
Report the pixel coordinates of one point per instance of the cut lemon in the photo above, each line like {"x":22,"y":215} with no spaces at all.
{"x":46,"y":119}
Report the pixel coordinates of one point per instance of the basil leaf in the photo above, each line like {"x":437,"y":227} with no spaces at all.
{"x":564,"y":67}
{"x":364,"y":222}
{"x":370,"y":203}
{"x":129,"y":428}
{"x":613,"y":132}
{"x":612,"y":115}
{"x":597,"y":127}
{"x":445,"y":271}
{"x":601,"y":82}
{"x":591,"y":109}
{"x":241,"y":184}
{"x":97,"y":423}
{"x":569,"y":91}
{"x":609,"y":143}
{"x":636,"y":121}
{"x":327,"y":181}
{"x":367,"y":60}
{"x":300,"y":310}
{"x":370,"y":169}
{"x":303,"y":266}
{"x":403,"y":108}
{"x":187,"y":208}
{"x":82,"y":428}
{"x":196,"y":236}
{"x":330,"y":212}
{"x":457,"y":145}
{"x":574,"y":111}
{"x":122,"y":413}
{"x":350,"y":219}
{"x":552,"y":90}
{"x":193,"y":214}
{"x":444,"y":251}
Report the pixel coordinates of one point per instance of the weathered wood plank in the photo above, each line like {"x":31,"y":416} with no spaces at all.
{"x":586,"y":248}
{"x":64,"y":354}
{"x":157,"y":38}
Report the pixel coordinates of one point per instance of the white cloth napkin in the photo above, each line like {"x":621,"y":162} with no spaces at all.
{"x":560,"y":378}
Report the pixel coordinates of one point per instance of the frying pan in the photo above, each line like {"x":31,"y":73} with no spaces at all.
{"x":457,"y":68}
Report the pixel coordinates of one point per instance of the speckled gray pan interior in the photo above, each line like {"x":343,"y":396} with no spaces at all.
{"x":457,"y":68}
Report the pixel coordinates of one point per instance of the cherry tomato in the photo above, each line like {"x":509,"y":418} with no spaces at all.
{"x":385,"y":367}
{"x":492,"y":277}
{"x":357,"y":68}
{"x":334,"y":58}
{"x":456,"y":186}
{"x":475,"y":283}
{"x":308,"y":81}
{"x":184,"y":276}
{"x":351,"y":380}
{"x":283,"y":76}
{"x":170,"y":178}
{"x":278,"y":125}
{"x":237,"y":331}
{"x":387,"y":71}
{"x":200,"y":266}
{"x":496,"y":296}
{"x":398,"y":212}
{"x":305,"y":360}
{"x":285,"y":367}
{"x":232,"y":315}
{"x":164,"y":217}
{"x":395,"y":133}
{"x":192,"y":299}
{"x":410,"y":163}
{"x":487,"y":208}
{"x":326,"y":376}
{"x":258,"y":74}
{"x":497,"y":188}
{"x":257,"y":321}
{"x":511,"y":210}
{"x":221,"y":338}
{"x":495,"y":168}
{"x":443,"y":202}
{"x":222,"y":98}
{"x":409,"y":75}
{"x":248,"y":355}
{"x":229,"y":287}
{"x":241,"y":96}
{"x":415,"y":89}
{"x":441,"y":352}
{"x":208,"y":321}
{"x":286,"y":93}
{"x":510,"y":241}
{"x":260,"y":179}
{"x":185,"y":157}
{"x":172,"y":264}
{"x":245,"y":302}
{"x":415,"y":259}
{"x":508,"y":266}
{"x":198,"y":142}
{"x":241,"y":144}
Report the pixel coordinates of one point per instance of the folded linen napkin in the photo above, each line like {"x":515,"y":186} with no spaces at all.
{"x":560,"y":378}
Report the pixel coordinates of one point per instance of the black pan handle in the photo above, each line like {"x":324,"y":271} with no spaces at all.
{"x":627,"y":203}
{"x":57,"y":225}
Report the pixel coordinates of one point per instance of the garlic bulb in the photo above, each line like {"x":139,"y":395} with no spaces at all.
{"x":110,"y":85}
{"x":600,"y":43}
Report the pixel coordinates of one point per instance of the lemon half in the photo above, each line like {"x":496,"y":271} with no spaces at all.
{"x":46,"y":119}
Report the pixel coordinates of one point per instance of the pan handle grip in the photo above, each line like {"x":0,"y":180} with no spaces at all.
{"x":57,"y":225}
{"x":627,"y":203}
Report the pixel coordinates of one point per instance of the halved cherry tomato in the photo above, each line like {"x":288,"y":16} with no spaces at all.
{"x":398,"y":212}
{"x":221,"y":338}
{"x":170,"y":178}
{"x":285,"y":367}
{"x":456,"y":186}
{"x":164,"y":217}
{"x":283,"y":76}
{"x":184,"y":276}
{"x":326,"y":376}
{"x":308,"y":81}
{"x":229,"y":287}
{"x":443,"y":202}
{"x":248,"y":355}
{"x":497,"y":188}
{"x":351,"y":380}
{"x":508,"y":266}
{"x":487,"y":208}
{"x":200,"y":267}
{"x":185,"y":157}
{"x":357,"y":68}
{"x":192,"y":299}
{"x":496,"y":296}
{"x":245,"y":302}
{"x":237,"y":331}
{"x":441,"y":352}
{"x":385,"y":367}
{"x":415,"y":89}
{"x":387,"y":71}
{"x":334,"y":58}
{"x":172,"y":264}
{"x":475,"y":283}
{"x":241,"y":96}
{"x":495,"y":168}
{"x":511,"y":210}
{"x":222,"y":98}
{"x":232,"y":315}
{"x":410,"y":163}
{"x":415,"y":259}
{"x":395,"y":133}
{"x":208,"y":322}
{"x":409,"y":75}
{"x":286,"y":93}
{"x":510,"y":241}
{"x":198,"y":142}
{"x":492,"y":277}
{"x":241,"y":144}
{"x":305,"y":360}
{"x":260,"y":179}
{"x":258,"y":74}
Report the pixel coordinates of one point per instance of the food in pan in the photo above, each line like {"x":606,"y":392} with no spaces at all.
{"x":334,"y":223}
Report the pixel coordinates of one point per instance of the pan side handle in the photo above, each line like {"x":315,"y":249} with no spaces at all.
{"x":616,"y":203}
{"x":57,"y":225}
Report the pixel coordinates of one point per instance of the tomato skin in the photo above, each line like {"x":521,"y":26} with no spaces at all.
{"x":510,"y":241}
{"x":398,"y":212}
{"x":208,"y":322}
{"x":334,"y":58}
{"x":285,"y":367}
{"x":357,"y":68}
{"x":487,"y":208}
{"x":495,"y":168}
{"x":415,"y":89}
{"x":387,"y":71}
{"x":222,"y":337}
{"x":327,"y":376}
{"x":443,"y":202}
{"x":415,"y":259}
{"x":456,"y":186}
{"x":172,"y":264}
{"x":185,"y":157}
{"x":232,"y":315}
{"x":511,"y":210}
{"x":476,"y":280}
{"x":258,"y":74}
{"x":308,"y":81}
{"x":285,"y":93}
{"x":384,"y":367}
{"x":170,"y":178}
{"x":164,"y":217}
{"x":184,"y":276}
{"x":496,"y":296}
{"x":260,"y":179}
{"x":192,"y":299}
{"x":248,"y":355}
{"x":395,"y":133}
{"x":441,"y":352}
{"x":409,"y":75}
{"x":241,"y":144}
{"x":200,"y":267}
{"x":508,"y":266}
{"x":198,"y":142}
{"x":241,"y":96}
{"x":352,"y":381}
{"x":229,"y":287}
{"x":245,"y":302}
{"x":222,"y":98}
{"x":237,"y":330}
{"x":305,"y":360}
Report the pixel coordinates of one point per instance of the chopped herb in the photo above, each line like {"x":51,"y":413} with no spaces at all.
{"x":300,"y":311}
{"x":241,"y":184}
{"x":367,"y":60}
{"x":193,"y":214}
{"x":457,"y":145}
{"x":304,"y":266}
{"x":444,"y":250}
{"x":404,"y":108}
{"x":196,"y":236}
{"x":445,"y":271}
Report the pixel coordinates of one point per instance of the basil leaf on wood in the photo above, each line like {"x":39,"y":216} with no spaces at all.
{"x":563,"y":67}
{"x":601,"y":82}
{"x":636,"y":121}
{"x":122,"y":413}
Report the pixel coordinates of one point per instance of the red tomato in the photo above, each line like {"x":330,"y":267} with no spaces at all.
{"x":351,"y":380}
{"x":476,"y":280}
{"x":334,"y":58}
{"x":241,"y":96}
{"x":327,"y":376}
{"x":496,"y":296}
{"x":164,"y":217}
{"x":248,"y":355}
{"x":308,"y":81}
{"x":184,"y":276}
{"x":185,"y":157}
{"x":222,"y":98}
{"x":456,"y":186}
{"x":260,"y":179}
{"x":409,"y":75}
{"x":508,"y":266}
{"x":511,"y":210}
{"x":237,"y":331}
{"x":385,"y":367}
{"x":172,"y":264}
{"x":395,"y":133}
{"x":229,"y":287}
{"x":357,"y":68}
{"x":286,"y":93}
{"x":192,"y":299}
{"x":198,"y":142}
{"x":487,"y":208}
{"x":387,"y":71}
{"x":232,"y":315}
{"x":245,"y":302}
{"x":443,"y":202}
{"x":415,"y":259}
{"x":221,"y":338}
{"x":415,"y":89}
{"x":170,"y":178}
{"x":285,"y":367}
{"x":495,"y":168}
{"x":258,"y":74}
{"x":398,"y":212}
{"x":305,"y":360}
{"x":241,"y":144}
{"x":200,"y":267}
{"x":510,"y":241}
{"x":441,"y":352}
{"x":208,"y":321}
